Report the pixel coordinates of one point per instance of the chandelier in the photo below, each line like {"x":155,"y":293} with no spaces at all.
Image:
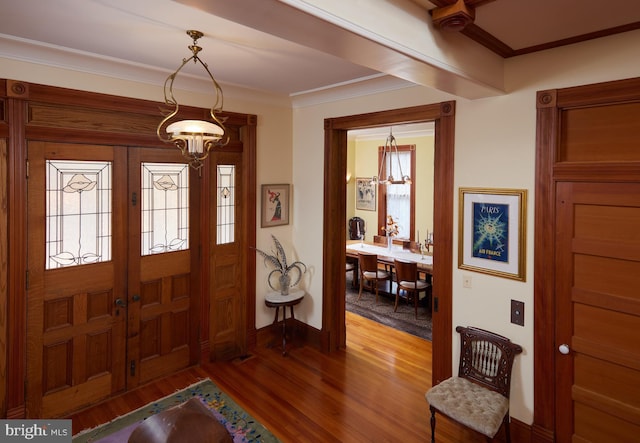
{"x":390,"y":148}
{"x":195,"y":138}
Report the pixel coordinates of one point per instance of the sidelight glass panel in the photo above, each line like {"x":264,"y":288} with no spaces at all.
{"x":78,"y":212}
{"x":165,"y":207}
{"x":226,"y":204}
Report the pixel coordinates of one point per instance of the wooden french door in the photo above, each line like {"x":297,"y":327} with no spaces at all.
{"x":598,"y":312}
{"x":163,"y":327}
{"x":103,"y":315}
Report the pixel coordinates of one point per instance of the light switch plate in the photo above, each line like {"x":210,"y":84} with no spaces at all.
{"x":517,"y":312}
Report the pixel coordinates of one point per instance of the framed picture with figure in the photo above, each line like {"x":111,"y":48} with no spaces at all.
{"x":492,"y":231}
{"x":365,"y":194}
{"x":275,"y":205}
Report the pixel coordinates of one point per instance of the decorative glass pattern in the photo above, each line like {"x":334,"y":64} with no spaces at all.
{"x":78,"y":212}
{"x":165,"y":207}
{"x":226,"y":179}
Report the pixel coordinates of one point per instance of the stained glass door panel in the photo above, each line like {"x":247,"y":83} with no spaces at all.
{"x":76,"y":262}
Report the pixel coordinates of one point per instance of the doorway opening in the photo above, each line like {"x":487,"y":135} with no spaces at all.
{"x":333,"y":335}
{"x":410,"y":203}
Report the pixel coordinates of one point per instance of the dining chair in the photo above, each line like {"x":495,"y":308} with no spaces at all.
{"x":370,"y":274}
{"x":412,"y":246}
{"x":352,"y":266}
{"x":407,"y":280}
{"x":478,"y":397}
{"x":380,"y":239}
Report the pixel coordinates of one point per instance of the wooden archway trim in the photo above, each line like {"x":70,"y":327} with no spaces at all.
{"x":333,"y":334}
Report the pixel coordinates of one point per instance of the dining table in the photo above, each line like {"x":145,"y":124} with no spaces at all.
{"x":387,"y":255}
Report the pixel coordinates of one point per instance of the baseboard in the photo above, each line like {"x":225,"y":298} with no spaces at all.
{"x":520,"y":432}
{"x":303,"y":335}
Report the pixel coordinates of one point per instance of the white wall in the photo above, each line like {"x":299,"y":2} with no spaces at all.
{"x":495,"y":147}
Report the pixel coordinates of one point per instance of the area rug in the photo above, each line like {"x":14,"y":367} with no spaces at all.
{"x":242,"y":427}
{"x":382,"y":312}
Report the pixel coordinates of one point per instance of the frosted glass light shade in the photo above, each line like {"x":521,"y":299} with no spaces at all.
{"x":196,"y":133}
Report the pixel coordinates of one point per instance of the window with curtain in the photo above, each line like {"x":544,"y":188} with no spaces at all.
{"x":399,"y":196}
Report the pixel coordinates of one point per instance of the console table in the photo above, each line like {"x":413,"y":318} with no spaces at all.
{"x":277,"y":300}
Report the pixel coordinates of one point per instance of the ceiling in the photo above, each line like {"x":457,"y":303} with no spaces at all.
{"x":145,"y":40}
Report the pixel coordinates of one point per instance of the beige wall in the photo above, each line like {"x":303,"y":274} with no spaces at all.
{"x":495,"y":147}
{"x":363,"y":162}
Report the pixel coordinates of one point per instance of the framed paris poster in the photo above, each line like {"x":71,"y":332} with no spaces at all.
{"x":492,"y":231}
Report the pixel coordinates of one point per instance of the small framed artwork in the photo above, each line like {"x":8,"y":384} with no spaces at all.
{"x":275,"y":205}
{"x":492,"y":231}
{"x":365,"y":194}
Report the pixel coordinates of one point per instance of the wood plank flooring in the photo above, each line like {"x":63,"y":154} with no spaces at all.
{"x":373,"y":391}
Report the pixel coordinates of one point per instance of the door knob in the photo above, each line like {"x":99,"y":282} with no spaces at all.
{"x":120,"y":303}
{"x":135,"y":297}
{"x":564,"y":349}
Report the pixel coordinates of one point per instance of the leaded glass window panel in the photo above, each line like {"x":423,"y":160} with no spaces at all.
{"x":165,"y":207}
{"x":78,"y":212}
{"x":226,"y":179}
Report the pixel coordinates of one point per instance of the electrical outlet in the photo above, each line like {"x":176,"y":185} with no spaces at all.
{"x":517,"y":312}
{"x":466,"y":281}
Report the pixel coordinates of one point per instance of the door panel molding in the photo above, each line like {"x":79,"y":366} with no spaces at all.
{"x":551,"y":105}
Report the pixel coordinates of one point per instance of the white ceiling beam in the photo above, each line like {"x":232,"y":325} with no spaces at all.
{"x":396,"y":38}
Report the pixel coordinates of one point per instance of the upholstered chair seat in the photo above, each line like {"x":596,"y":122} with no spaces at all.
{"x":478,"y":397}
{"x":476,"y":407}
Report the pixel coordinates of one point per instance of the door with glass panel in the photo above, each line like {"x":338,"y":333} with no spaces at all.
{"x":109,"y":283}
{"x":227,"y":258}
{"x":162,"y":328}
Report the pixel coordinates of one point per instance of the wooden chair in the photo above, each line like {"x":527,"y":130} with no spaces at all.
{"x":380,"y":240}
{"x":412,"y":246}
{"x":478,"y":397}
{"x":408,"y":281}
{"x":352,"y":266}
{"x":370,"y":274}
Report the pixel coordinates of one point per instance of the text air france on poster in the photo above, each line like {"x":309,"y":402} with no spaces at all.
{"x":491,"y":231}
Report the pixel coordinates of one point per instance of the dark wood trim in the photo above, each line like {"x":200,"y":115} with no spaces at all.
{"x":550,"y":105}
{"x":543,"y":334}
{"x":479,"y":35}
{"x":577,"y":39}
{"x":17,"y":251}
{"x":38,"y":112}
{"x":248,"y":135}
{"x":333,"y":333}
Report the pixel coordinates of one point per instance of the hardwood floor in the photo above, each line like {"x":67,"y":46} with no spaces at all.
{"x":373,"y":391}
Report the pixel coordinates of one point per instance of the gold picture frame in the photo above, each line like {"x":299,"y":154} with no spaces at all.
{"x":492,"y":231}
{"x":275,"y":205}
{"x":366,"y":196}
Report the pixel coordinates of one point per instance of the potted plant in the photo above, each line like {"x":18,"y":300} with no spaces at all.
{"x":279,"y":261}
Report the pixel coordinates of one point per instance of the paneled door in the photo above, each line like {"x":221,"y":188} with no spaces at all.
{"x":109,"y":272}
{"x":227,"y":258}
{"x":162,"y":328}
{"x":598,"y":311}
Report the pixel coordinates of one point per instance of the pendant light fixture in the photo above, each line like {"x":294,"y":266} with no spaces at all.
{"x":390,"y":148}
{"x":195,"y":138}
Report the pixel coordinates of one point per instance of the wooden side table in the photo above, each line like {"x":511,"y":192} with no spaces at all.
{"x":277,"y":300}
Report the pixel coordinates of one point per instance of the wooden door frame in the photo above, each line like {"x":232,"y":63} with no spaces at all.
{"x":333,"y":334}
{"x":549,"y":170}
{"x":30,"y":111}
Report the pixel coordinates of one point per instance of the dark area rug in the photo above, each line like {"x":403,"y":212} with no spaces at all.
{"x":403,"y":320}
